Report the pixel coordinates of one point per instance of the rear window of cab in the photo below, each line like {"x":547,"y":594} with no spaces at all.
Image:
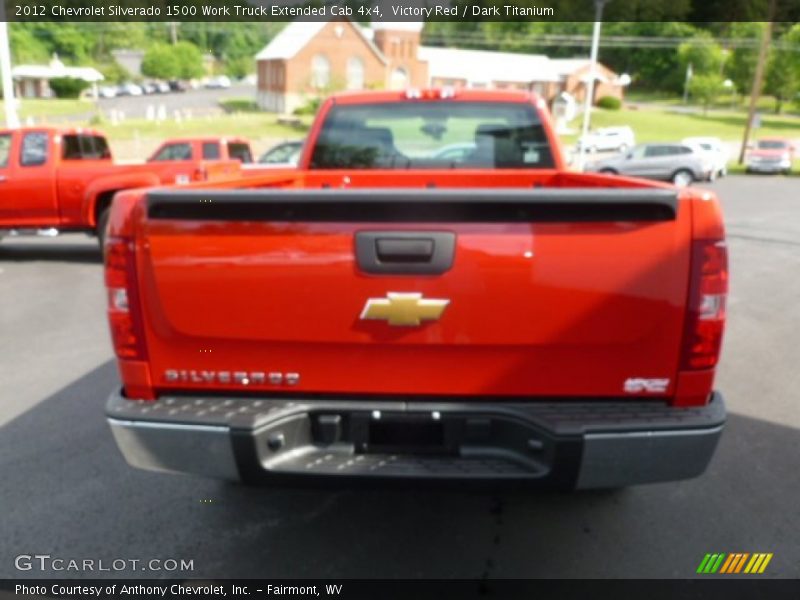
{"x":5,"y":149}
{"x":85,"y":147}
{"x":432,"y":135}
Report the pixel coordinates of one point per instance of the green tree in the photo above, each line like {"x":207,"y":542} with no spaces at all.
{"x":239,"y":67}
{"x":26,"y":47}
{"x":113,"y":72}
{"x":650,"y":68}
{"x":781,"y":82}
{"x":705,"y":55}
{"x":783,"y":70}
{"x":190,"y":60}
{"x":741,"y":64}
{"x":161,"y":62}
{"x":705,"y":88}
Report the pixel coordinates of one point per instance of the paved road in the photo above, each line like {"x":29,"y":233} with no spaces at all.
{"x":66,"y":492}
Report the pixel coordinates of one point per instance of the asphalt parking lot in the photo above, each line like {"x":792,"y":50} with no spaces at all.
{"x":67,"y":492}
{"x":201,"y":100}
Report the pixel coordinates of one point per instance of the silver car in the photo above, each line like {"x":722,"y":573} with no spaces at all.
{"x":678,"y":163}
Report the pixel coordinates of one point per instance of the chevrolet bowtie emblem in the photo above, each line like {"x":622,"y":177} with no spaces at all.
{"x":406,"y":310}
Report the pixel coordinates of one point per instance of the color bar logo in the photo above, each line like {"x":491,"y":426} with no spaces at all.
{"x":728,"y":564}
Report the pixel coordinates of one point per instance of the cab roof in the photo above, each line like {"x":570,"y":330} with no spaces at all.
{"x":443,"y":94}
{"x":56,"y":130}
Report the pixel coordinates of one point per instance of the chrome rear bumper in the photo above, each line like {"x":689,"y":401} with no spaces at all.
{"x":583,"y":445}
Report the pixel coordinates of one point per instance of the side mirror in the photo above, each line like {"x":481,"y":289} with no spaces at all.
{"x":629,"y":156}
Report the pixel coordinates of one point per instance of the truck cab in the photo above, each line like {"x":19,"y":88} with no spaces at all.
{"x":64,"y":179}
{"x":30,"y":159}
{"x":205,"y":148}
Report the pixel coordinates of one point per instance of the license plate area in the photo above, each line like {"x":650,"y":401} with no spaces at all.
{"x":407,"y":434}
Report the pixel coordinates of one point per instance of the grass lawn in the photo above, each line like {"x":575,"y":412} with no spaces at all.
{"x":662,"y":125}
{"x":726,"y":102}
{"x":251,"y":125}
{"x":40,"y":109}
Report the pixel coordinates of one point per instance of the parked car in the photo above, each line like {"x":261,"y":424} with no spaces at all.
{"x":619,"y":139}
{"x":175,"y":85}
{"x":455,"y":152}
{"x":108,"y":91}
{"x":677,"y":163}
{"x":715,"y":151}
{"x":219,"y":82}
{"x":162,"y":87}
{"x":770,"y":155}
{"x":285,"y":154}
{"x":203,"y":148}
{"x":129,"y":89}
{"x":377,"y":317}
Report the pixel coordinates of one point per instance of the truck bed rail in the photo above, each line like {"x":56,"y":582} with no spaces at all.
{"x":474,"y":205}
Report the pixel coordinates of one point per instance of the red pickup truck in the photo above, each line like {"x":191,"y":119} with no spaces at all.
{"x":203,"y":148}
{"x":65,"y":179}
{"x":394,"y":309}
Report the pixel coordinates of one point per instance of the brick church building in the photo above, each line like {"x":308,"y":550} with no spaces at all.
{"x":309,"y":59}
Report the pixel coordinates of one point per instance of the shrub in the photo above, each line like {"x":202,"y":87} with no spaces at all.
{"x":309,"y":108}
{"x":609,"y":103}
{"x":68,"y":87}
{"x":705,"y":89}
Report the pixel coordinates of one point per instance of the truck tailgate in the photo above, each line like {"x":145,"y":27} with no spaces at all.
{"x":488,"y":292}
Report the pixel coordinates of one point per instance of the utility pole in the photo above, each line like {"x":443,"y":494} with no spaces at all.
{"x":587,"y":107}
{"x":9,"y":102}
{"x":758,"y":79}
{"x":173,"y":32}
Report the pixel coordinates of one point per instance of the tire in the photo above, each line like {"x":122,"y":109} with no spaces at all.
{"x":102,"y":225}
{"x":607,"y":171}
{"x":682,"y":178}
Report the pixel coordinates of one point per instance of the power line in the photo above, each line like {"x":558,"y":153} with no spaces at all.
{"x":573,"y":40}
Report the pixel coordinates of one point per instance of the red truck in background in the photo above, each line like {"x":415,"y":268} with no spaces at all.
{"x":58,"y":179}
{"x":430,"y":296}
{"x":203,"y":148}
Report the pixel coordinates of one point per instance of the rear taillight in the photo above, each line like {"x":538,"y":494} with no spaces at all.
{"x":123,"y":309}
{"x":708,"y":291}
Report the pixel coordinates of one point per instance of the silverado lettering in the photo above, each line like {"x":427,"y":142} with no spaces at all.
{"x":242,"y":377}
{"x":460,"y":304}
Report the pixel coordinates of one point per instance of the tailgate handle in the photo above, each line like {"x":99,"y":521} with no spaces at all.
{"x":405,"y":252}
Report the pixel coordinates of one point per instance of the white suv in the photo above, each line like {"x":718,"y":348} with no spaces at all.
{"x":713,"y":150}
{"x":608,"y":138}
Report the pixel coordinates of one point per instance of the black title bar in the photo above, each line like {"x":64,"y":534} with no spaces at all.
{"x":733,"y":588}
{"x":397,"y":10}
